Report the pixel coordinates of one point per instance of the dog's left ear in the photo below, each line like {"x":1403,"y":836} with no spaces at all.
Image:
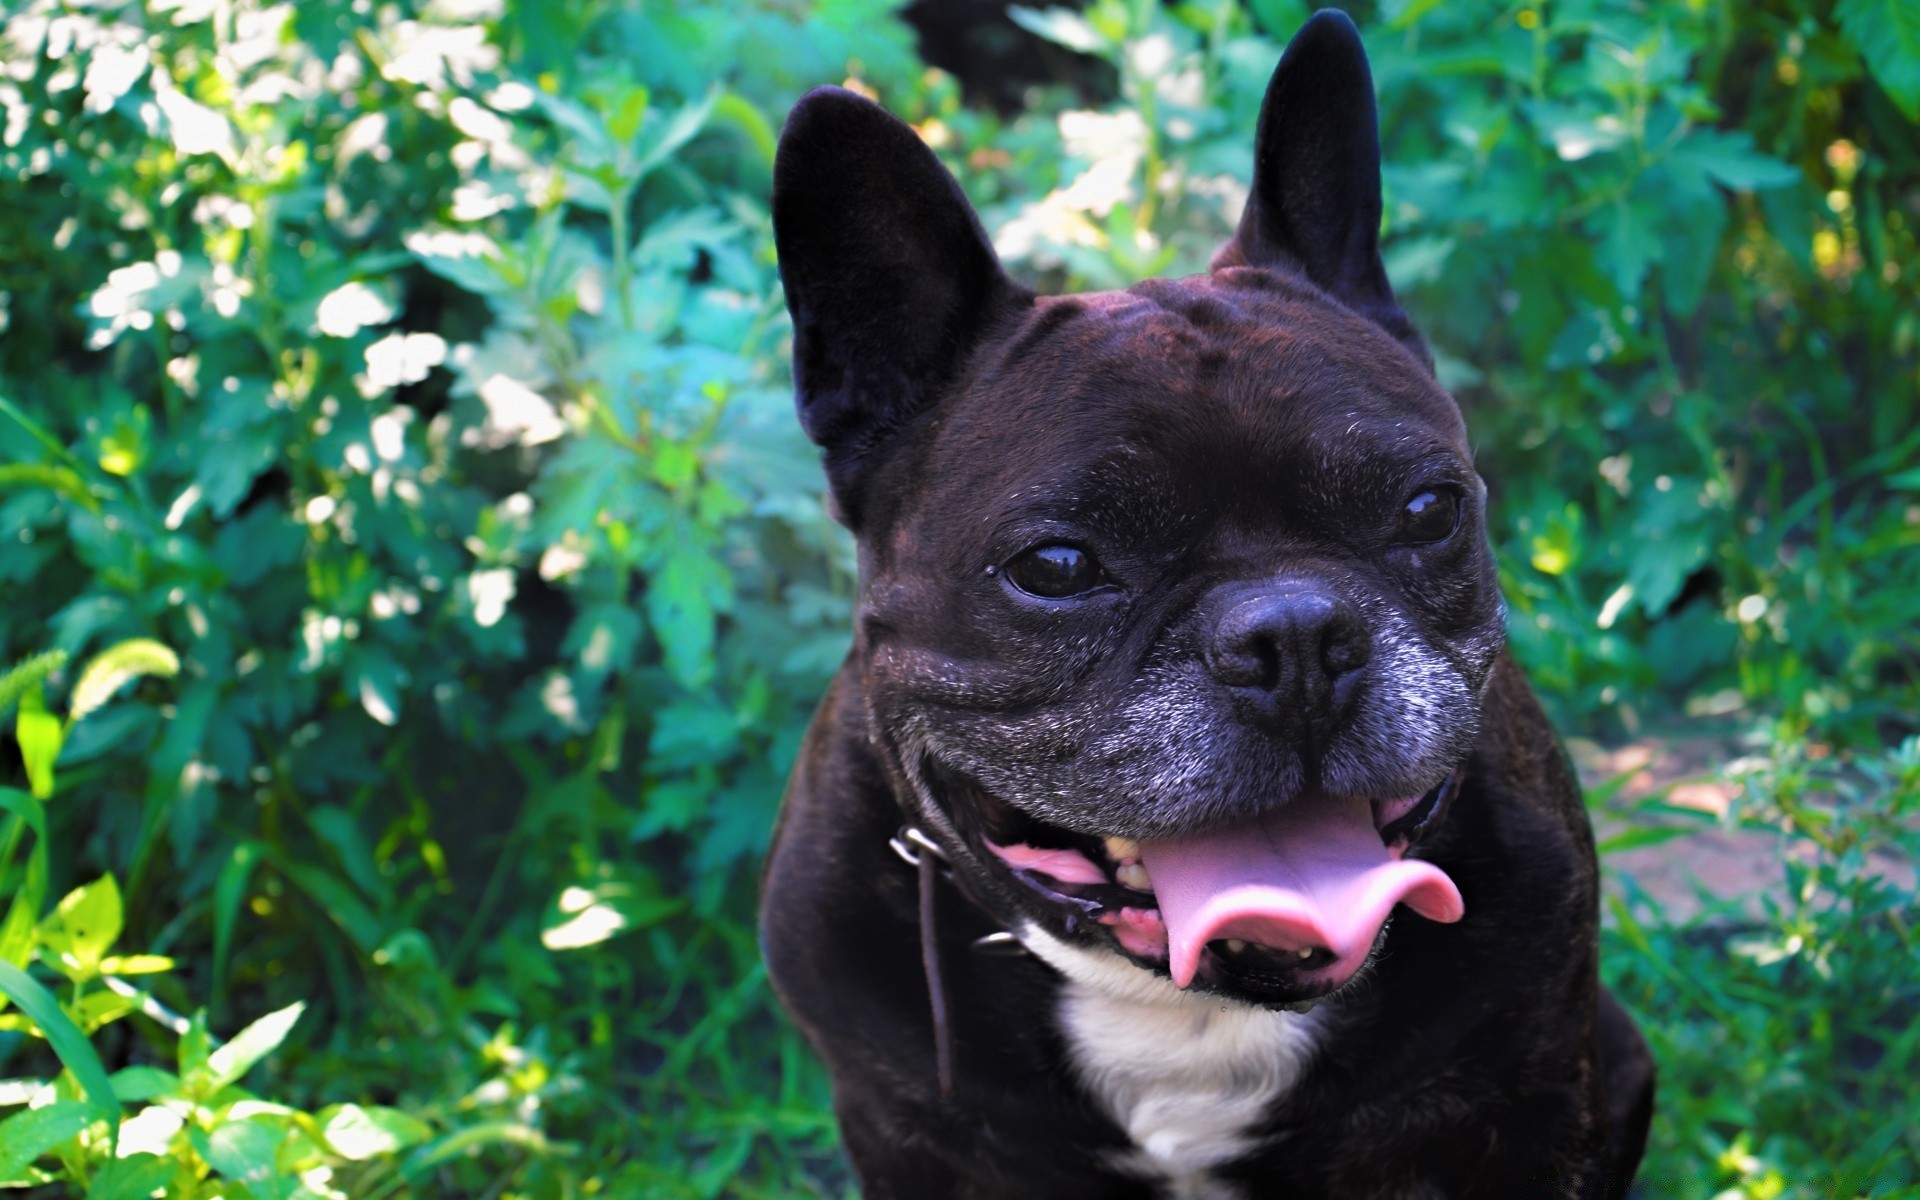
{"x":1315,"y":203}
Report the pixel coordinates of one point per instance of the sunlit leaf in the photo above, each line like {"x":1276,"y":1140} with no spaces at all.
{"x":39,"y":733}
{"x":1062,"y":26}
{"x":135,"y":1177}
{"x":84,"y":925}
{"x":135,"y":964}
{"x":131,"y":1085}
{"x":233,"y":1060}
{"x":357,"y":1132}
{"x":246,"y":1151}
{"x":19,"y":929}
{"x":26,"y":1136}
{"x":586,"y":916}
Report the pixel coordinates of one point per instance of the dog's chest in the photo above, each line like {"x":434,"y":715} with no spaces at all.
{"x":1187,"y":1077}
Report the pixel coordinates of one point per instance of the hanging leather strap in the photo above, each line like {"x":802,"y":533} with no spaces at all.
{"x":936,"y":986}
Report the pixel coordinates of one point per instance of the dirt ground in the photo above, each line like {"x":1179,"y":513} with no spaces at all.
{"x":1710,"y":863}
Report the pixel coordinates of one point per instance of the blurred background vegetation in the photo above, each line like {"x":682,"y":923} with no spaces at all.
{"x":419,"y":582}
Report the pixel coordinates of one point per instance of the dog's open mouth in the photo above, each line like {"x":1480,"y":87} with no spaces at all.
{"x":1280,"y":909}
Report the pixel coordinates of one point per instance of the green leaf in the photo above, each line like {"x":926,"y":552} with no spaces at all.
{"x":135,"y":964}
{"x":674,"y":133}
{"x":21,"y":805}
{"x":587,"y":140}
{"x":1692,"y":244}
{"x":380,"y":683}
{"x":19,"y":930}
{"x":1629,"y":247}
{"x":723,"y":1164}
{"x":67,"y":1041}
{"x":357,"y":1132}
{"x":248,"y":1152}
{"x":341,"y":902}
{"x":40,"y":734}
{"x":1633,"y":839}
{"x":35,"y":430}
{"x":26,"y":1136}
{"x":229,"y":891}
{"x":232,"y":461}
{"x":250,"y":1045}
{"x":135,"y":1177}
{"x":740,"y":113}
{"x":83,"y":926}
{"x":96,"y":1009}
{"x":628,"y":113}
{"x":134,"y":1084}
{"x":195,"y":1046}
{"x":1669,"y":542}
{"x":586,"y":916}
{"x":682,"y":599}
{"x":479,"y":275}
{"x":113,"y":667}
{"x":487,"y":1133}
{"x":1729,"y":157}
{"x":1887,"y":34}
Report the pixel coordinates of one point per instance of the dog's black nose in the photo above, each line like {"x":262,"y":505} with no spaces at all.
{"x":1288,"y":645}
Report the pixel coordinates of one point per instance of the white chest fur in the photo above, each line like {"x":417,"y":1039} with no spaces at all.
{"x":1186,"y":1076}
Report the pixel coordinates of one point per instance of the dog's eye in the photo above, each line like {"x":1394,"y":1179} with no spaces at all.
{"x":1431,"y":516}
{"x":1055,"y":572}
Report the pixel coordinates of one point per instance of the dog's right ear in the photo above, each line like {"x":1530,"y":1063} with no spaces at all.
{"x":1315,"y":202}
{"x":889,"y":277}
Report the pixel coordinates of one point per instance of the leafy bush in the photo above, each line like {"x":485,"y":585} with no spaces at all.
{"x":417,"y":374}
{"x":1787,"y":1050}
{"x":495,"y":562}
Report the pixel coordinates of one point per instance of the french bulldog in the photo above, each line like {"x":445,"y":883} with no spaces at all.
{"x":1240,"y":860}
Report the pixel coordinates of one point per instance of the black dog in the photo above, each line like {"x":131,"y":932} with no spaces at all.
{"x":1178,"y":665}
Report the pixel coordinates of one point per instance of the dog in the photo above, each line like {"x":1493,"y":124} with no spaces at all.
{"x":1239,"y":858}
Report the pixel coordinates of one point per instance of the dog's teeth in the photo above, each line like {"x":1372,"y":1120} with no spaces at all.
{"x":1235,"y":945}
{"x":1119,"y":848}
{"x":1306,"y":952}
{"x":1134,"y":875}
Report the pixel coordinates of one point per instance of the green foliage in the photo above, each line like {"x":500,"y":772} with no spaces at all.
{"x":394,"y":417}
{"x":435,"y":413}
{"x":1788,"y":1051}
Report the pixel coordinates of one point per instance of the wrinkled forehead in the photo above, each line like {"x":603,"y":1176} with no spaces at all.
{"x":1224,"y":395}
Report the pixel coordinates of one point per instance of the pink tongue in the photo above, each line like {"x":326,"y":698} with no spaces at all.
{"x":1310,"y":875}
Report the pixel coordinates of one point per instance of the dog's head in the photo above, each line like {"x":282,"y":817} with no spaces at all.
{"x":1176,"y":605}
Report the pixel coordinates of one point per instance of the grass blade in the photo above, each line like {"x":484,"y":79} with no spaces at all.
{"x":67,"y":1041}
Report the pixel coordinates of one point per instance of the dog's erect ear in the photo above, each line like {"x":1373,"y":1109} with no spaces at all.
{"x":1315,"y":203}
{"x":889,"y":276}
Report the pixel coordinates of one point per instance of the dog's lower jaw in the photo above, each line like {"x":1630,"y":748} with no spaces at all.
{"x":1187,"y":1077}
{"x":1455,"y":1068}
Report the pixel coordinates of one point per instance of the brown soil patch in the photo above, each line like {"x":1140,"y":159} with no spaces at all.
{"x":1707,"y":863}
{"x":1677,"y":783}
